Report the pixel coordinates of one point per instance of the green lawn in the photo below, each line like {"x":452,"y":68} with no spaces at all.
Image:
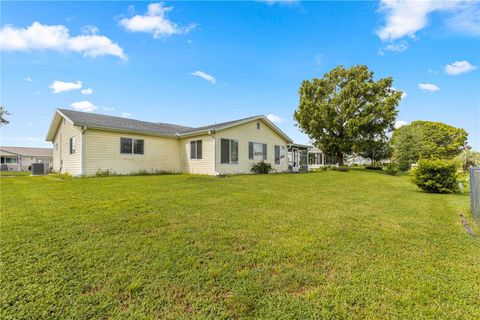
{"x":322,"y":245}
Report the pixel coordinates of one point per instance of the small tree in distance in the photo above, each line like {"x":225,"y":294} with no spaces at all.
{"x":3,"y":113}
{"x":347,"y":110}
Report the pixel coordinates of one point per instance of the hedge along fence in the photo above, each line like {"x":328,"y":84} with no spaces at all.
{"x":436,"y":176}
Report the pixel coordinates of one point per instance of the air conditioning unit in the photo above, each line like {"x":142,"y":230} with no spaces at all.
{"x":39,"y":169}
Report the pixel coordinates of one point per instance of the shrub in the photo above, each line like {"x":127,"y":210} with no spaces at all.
{"x":391,"y":169}
{"x":61,"y":176}
{"x":105,"y":173}
{"x":436,"y":176}
{"x":373,"y":168}
{"x":342,"y":169}
{"x":262,"y":167}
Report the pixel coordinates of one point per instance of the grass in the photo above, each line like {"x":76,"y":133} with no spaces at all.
{"x":15,"y":173}
{"x":355,"y":244}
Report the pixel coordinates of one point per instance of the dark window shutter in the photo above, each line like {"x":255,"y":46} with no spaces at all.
{"x":264,"y":151}
{"x":277,"y":154}
{"x":224,"y":151}
{"x":250,"y":150}
{"x":71,"y":146}
{"x":199,"y":149}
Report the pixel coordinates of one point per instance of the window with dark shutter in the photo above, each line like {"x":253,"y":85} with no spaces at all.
{"x":196,"y":149}
{"x":199,"y":149}
{"x":225,"y":151}
{"x":193,"y":149}
{"x":250,"y":150}
{"x":264,"y":151}
{"x":277,"y":154}
{"x":228,"y":151}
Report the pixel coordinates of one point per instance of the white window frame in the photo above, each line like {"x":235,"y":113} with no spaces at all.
{"x":133,"y":147}
{"x":195,"y":142}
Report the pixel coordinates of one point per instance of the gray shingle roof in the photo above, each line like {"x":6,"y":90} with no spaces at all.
{"x":29,"y":152}
{"x":119,"y":123}
{"x":130,"y":125}
{"x":216,"y":126}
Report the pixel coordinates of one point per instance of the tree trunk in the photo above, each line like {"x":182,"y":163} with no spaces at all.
{"x":340,"y":158}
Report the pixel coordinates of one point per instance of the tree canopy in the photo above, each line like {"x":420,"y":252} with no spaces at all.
{"x":3,"y":113}
{"x":347,"y":110}
{"x":427,"y":140}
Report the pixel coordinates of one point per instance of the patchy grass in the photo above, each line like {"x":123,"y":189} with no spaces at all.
{"x":328,"y":245}
{"x":14,"y":173}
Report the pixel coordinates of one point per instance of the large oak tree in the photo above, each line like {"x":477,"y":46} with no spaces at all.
{"x":347,"y":110}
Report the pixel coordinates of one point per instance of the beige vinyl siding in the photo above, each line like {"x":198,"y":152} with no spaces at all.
{"x":206,"y":165}
{"x":245,"y":133}
{"x":63,"y":161}
{"x":102,"y":152}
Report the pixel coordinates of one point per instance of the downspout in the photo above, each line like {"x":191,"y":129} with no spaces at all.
{"x":211,"y":134}
{"x":84,"y":129}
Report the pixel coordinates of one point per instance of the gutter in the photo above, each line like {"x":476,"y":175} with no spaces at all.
{"x":82,"y":163}
{"x":211,"y":134}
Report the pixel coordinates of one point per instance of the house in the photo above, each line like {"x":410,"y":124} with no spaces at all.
{"x":86,"y":143}
{"x":21,"y":158}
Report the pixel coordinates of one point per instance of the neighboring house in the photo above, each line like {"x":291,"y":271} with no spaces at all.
{"x":317,"y":158}
{"x":21,"y":158}
{"x":86,"y":143}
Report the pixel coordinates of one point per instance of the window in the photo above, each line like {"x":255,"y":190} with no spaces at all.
{"x":257,"y":151}
{"x":131,"y":146}
{"x":196,"y":149}
{"x":228,"y":151}
{"x":258,"y":125}
{"x":9,"y":160}
{"x":279,"y":154}
{"x":72,"y":145}
{"x":137,"y":146}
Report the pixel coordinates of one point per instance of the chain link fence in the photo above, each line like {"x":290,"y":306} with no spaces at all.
{"x":475,"y":192}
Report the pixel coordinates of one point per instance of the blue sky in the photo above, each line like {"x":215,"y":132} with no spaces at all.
{"x":195,"y":63}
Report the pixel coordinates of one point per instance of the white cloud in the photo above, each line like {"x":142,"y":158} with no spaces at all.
{"x":428,"y":87}
{"x":28,"y":79}
{"x":86,"y":91}
{"x":405,"y":18}
{"x":155,"y":22}
{"x":84,"y":105}
{"x":400,"y":123}
{"x":394,"y":47}
{"x":459,"y":67}
{"x":108,"y":108}
{"x":57,"y":38}
{"x":60,"y":86}
{"x":126,"y":114}
{"x":404,"y":94}
{"x":204,"y":76}
{"x":466,"y":19}
{"x":274,"y":118}
{"x":90,"y":29}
